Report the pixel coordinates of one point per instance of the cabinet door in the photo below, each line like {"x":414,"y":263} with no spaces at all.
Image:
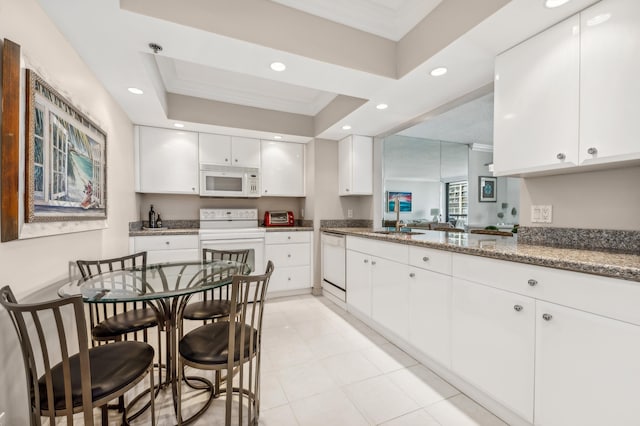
{"x":587,"y":369}
{"x":168,"y":161}
{"x":430,"y":314}
{"x":536,"y":102}
{"x":215,"y":149}
{"x":390,"y":295}
{"x":359,"y":282}
{"x":245,"y":152}
{"x":609,"y":88}
{"x":344,"y":166}
{"x":492,"y":345}
{"x":282,"y":169}
{"x":362,"y":165}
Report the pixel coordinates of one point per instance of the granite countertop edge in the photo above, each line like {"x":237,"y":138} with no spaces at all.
{"x":194,"y":231}
{"x":607,"y":264}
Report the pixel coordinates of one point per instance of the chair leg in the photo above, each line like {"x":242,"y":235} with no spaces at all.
{"x":152,"y":395}
{"x":105,"y":415}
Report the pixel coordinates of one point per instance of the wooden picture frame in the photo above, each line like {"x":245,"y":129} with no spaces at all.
{"x":65,"y":161}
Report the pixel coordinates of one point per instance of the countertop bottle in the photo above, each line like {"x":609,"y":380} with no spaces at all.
{"x":159,"y":222}
{"x":152,"y":217}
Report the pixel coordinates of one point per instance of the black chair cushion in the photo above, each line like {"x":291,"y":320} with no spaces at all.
{"x":113,"y":367}
{"x":125,"y":322}
{"x":207,"y":309}
{"x":209,"y":344}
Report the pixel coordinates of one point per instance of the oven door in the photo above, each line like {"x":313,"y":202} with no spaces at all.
{"x":255,"y":246}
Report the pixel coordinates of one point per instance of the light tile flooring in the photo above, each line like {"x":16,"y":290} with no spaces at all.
{"x":322,"y":366}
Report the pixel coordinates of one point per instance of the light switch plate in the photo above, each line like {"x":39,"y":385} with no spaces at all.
{"x":541,"y":214}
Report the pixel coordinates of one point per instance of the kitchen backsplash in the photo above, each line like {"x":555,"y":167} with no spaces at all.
{"x":346,"y":223}
{"x":578,"y":238}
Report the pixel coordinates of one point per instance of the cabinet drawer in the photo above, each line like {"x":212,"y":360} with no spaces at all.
{"x":165,"y":242}
{"x":290,"y":278}
{"x":429,"y":259}
{"x":285,"y":255}
{"x":392,"y":251}
{"x":609,"y":297}
{"x":287,"y":237}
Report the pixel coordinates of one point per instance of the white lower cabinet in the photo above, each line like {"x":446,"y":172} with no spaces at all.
{"x":359,"y":282}
{"x":587,"y":368}
{"x":167,"y":248}
{"x":390,"y":295}
{"x":291,"y":255}
{"x":493,"y":335}
{"x":430,"y":314}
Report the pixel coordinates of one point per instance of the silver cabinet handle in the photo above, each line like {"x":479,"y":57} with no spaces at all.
{"x":561,"y":156}
{"x":412,"y":275}
{"x":226,"y":160}
{"x":366,"y":261}
{"x":347,"y":189}
{"x":425,"y":259}
{"x":289,"y":237}
{"x":265,"y":191}
{"x":193,"y":189}
{"x":547,"y":317}
{"x":532,"y":282}
{"x":592,"y":151}
{"x":289,"y":256}
{"x":289,"y":279}
{"x":373,"y":262}
{"x":236,"y":160}
{"x":167,"y":242}
{"x":518,"y":308}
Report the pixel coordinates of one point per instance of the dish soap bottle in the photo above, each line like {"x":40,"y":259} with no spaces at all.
{"x":152,"y":217}
{"x":159,"y":222}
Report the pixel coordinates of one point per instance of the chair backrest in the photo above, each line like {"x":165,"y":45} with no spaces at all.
{"x":98,"y":312}
{"x":236,"y":255}
{"x":249,"y":292}
{"x":91,"y":268}
{"x":45,"y":341}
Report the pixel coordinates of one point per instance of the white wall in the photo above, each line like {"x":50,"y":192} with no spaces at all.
{"x":28,"y":265}
{"x":480,"y":214}
{"x":608,"y":199}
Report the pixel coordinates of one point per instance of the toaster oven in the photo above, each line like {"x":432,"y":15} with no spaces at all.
{"x":278,"y":218}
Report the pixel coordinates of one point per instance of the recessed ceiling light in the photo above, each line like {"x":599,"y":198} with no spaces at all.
{"x":437,"y":72}
{"x":135,"y":90}
{"x":346,"y":127}
{"x":598,"y":19}
{"x":278,"y":66}
{"x":180,"y":125}
{"x":554,"y":3}
{"x":382,"y":106}
{"x":277,"y":137}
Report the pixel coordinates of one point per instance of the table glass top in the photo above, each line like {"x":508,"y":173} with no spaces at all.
{"x":155,"y":281}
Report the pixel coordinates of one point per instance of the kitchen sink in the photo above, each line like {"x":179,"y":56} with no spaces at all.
{"x":398,"y":232}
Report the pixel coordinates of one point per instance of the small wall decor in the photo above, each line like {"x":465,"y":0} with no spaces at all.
{"x":66,"y":157}
{"x":404,"y":200}
{"x":488,"y":189}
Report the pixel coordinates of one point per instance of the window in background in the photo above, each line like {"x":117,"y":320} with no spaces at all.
{"x":457,"y":203}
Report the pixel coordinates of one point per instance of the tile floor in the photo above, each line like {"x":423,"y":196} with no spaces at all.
{"x":322,"y":366}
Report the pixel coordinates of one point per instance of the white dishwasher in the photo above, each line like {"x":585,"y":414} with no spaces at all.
{"x":333,"y":265}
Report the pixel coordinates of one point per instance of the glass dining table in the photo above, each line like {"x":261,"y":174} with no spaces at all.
{"x":168,"y":286}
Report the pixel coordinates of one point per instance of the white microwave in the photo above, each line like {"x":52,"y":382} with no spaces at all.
{"x":227,"y":181}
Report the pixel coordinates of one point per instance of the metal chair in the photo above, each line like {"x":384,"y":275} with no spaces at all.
{"x":216,"y":303}
{"x":232,"y":345}
{"x":61,"y":381}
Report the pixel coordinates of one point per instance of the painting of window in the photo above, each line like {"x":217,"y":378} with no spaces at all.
{"x":65,"y":165}
{"x":404,"y":200}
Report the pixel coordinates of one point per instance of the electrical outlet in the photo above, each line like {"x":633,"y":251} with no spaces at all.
{"x":349,"y":213}
{"x":302,"y":212}
{"x":541,"y":214}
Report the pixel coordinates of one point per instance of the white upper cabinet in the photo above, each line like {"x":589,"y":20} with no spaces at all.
{"x":282,"y":169}
{"x":609,"y":87}
{"x":226,"y":150}
{"x":355,"y":165}
{"x":167,"y":161}
{"x":536,"y":102}
{"x":569,"y":97}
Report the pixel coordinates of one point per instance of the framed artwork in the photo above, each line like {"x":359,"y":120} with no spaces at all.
{"x":66,"y":153}
{"x":488,"y":189}
{"x":404,"y":199}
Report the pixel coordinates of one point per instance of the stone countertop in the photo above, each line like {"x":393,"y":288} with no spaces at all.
{"x":609,"y":264}
{"x":163,"y":231}
{"x":288,"y":228}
